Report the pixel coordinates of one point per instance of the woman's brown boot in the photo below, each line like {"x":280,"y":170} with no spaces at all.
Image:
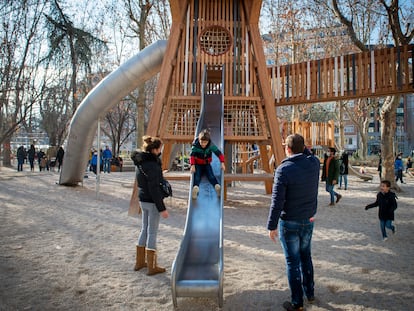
{"x":140,"y":260}
{"x":152,"y":263}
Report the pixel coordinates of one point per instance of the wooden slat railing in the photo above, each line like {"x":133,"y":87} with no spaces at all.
{"x":374,"y":73}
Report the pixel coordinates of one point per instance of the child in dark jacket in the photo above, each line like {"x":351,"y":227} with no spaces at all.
{"x":386,"y":200}
{"x":200,"y":159}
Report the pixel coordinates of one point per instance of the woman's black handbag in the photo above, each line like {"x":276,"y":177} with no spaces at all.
{"x":166,"y":188}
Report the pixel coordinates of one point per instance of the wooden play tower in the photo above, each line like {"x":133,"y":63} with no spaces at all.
{"x":221,"y":37}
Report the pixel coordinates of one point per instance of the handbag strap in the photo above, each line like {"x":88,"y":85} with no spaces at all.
{"x":142,"y":171}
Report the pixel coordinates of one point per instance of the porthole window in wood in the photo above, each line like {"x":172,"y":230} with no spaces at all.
{"x":215,"y":40}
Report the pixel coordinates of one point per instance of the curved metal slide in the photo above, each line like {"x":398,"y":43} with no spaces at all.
{"x":97,"y":103}
{"x":197,"y":270}
{"x":354,"y":171}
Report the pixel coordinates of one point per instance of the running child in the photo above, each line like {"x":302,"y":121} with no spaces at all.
{"x":386,"y":200}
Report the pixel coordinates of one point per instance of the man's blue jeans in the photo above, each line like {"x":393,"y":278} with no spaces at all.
{"x":150,"y":223}
{"x":295,"y":238}
{"x":107,"y":165}
{"x":330,"y":188}
{"x":204,"y":170}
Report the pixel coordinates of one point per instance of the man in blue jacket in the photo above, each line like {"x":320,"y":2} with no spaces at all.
{"x":107,"y":156}
{"x":292,"y":211}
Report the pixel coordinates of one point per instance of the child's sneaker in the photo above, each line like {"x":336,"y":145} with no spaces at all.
{"x":218,"y":188}
{"x":194,"y":192}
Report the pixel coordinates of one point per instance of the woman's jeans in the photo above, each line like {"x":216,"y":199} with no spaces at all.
{"x":150,"y":222}
{"x":399,"y":175}
{"x":386,"y":224}
{"x":20,"y":165}
{"x":345,"y":177}
{"x":295,"y":238}
{"x":330,"y":188}
{"x":206,"y":170}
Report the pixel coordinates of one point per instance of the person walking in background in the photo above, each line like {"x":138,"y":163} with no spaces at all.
{"x":106,"y":157}
{"x":21,"y":157}
{"x":40,"y":156}
{"x":380,"y":166}
{"x":149,"y":177}
{"x":343,"y":170}
{"x":59,"y":157}
{"x":387,"y":203}
{"x":398,"y":168}
{"x":292,"y":210}
{"x":200,"y":159}
{"x":330,"y":174}
{"x":31,"y":156}
{"x":409,"y":164}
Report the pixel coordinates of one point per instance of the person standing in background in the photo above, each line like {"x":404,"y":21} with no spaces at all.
{"x":106,"y":157}
{"x":21,"y":157}
{"x":59,"y":157}
{"x":330,"y":174}
{"x":398,"y":167}
{"x":343,"y":170}
{"x":31,"y":155}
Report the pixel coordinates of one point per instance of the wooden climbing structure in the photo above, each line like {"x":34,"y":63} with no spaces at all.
{"x":220,"y":35}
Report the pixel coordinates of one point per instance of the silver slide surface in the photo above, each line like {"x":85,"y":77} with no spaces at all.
{"x":99,"y":101}
{"x":197,"y":270}
{"x":366,"y":177}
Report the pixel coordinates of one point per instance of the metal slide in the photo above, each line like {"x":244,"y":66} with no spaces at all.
{"x":197,"y":270}
{"x":99,"y":101}
{"x":366,"y":177}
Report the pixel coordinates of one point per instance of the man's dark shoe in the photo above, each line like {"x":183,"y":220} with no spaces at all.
{"x":338,"y":197}
{"x":291,"y":307}
{"x":311,"y":299}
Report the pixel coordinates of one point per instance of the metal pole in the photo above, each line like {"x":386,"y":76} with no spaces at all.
{"x":98,"y":161}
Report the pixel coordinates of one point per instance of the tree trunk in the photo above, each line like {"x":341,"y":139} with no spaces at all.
{"x":6,"y":153}
{"x":364,"y":138}
{"x":388,"y":123}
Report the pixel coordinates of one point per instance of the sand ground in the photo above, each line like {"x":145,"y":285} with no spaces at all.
{"x":67,"y":248}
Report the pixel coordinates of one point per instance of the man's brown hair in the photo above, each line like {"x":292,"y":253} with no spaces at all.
{"x":296,"y":143}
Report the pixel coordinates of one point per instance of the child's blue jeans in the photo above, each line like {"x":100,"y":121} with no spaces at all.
{"x":386,"y":224}
{"x":204,"y":170}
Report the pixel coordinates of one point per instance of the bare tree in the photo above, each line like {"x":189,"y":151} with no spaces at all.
{"x":147,"y":28}
{"x":120,"y":124}
{"x":395,"y":23}
{"x":69,"y":43}
{"x":20,"y":21}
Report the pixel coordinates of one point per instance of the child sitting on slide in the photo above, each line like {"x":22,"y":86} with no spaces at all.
{"x":200,"y":159}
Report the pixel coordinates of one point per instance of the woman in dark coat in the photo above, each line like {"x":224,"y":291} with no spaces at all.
{"x":149,"y":177}
{"x":31,"y":155}
{"x":59,"y":157}
{"x":343,"y":170}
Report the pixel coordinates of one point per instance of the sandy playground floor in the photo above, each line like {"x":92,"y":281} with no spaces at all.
{"x":62,"y":248}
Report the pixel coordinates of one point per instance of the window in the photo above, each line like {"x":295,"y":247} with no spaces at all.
{"x":349,"y":129}
{"x":215,"y":40}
